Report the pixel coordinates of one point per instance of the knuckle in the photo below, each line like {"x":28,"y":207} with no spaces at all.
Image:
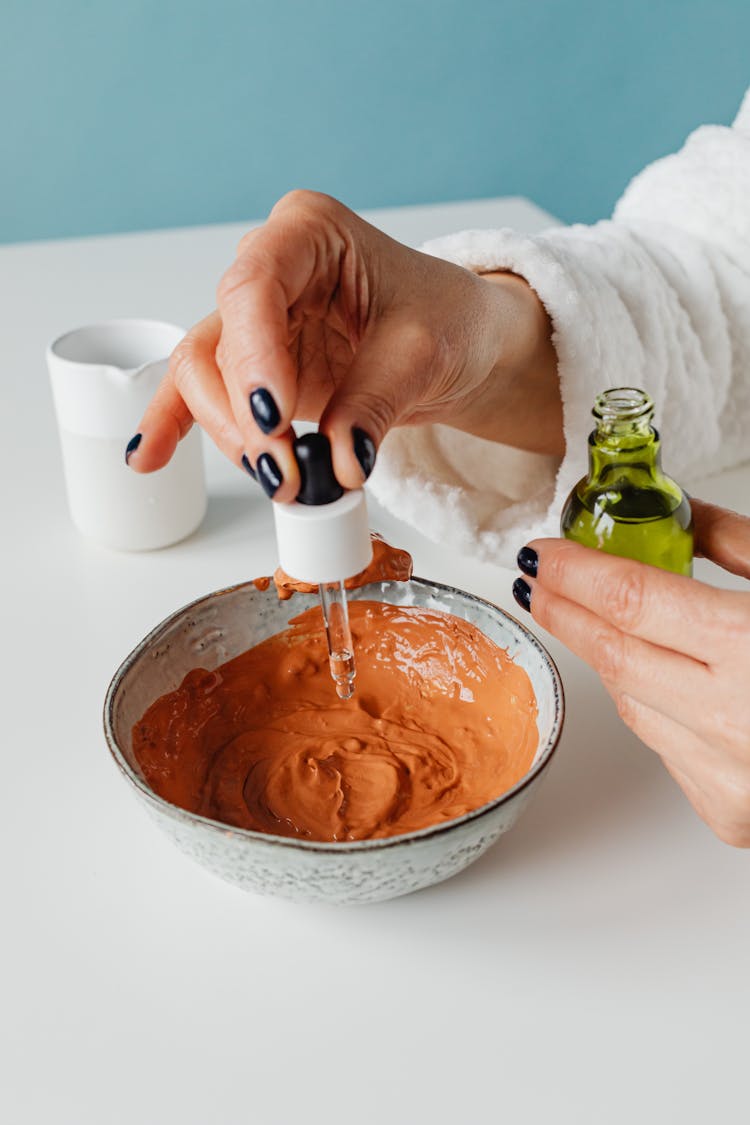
{"x":731,"y":728}
{"x":221,"y":354}
{"x":556,"y":564}
{"x":182,"y":362}
{"x":734,"y":622}
{"x":609,"y":654}
{"x":228,"y":286}
{"x":543,"y":611}
{"x":227,"y":438}
{"x":421,"y":345}
{"x":628,"y":710}
{"x":379,"y":410}
{"x":626,"y":600}
{"x":247,"y":241}
{"x":304,"y":200}
{"x":551,"y":613}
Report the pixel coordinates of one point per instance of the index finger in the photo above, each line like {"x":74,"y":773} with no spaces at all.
{"x":666,"y":609}
{"x":277,"y":264}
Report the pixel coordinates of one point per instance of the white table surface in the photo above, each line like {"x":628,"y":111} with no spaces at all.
{"x":591,"y":967}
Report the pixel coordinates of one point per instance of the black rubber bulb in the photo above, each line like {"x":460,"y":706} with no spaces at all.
{"x":319,"y":484}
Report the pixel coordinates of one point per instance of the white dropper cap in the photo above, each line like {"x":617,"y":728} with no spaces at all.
{"x":324,"y":535}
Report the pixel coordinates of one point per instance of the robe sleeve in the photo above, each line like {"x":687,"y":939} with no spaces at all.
{"x":657,"y":297}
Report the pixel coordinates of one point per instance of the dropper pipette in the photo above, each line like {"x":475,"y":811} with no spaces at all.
{"x":323,"y":539}
{"x":340,"y":644}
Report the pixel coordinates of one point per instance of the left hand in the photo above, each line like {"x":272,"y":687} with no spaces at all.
{"x":674,"y":654}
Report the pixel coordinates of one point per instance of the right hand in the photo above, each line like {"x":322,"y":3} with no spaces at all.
{"x":673,"y":653}
{"x":339,"y":324}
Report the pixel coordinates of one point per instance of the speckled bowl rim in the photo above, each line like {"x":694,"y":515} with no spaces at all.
{"x":175,"y":811}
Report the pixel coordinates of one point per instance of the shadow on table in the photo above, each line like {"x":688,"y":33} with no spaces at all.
{"x":229,"y":518}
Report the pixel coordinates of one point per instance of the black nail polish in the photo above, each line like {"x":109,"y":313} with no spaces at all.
{"x":522,"y":594}
{"x":248,"y":467}
{"x":364,"y":450}
{"x":528,"y":561}
{"x":269,"y":474}
{"x":132,"y":445}
{"x":265,"y":411}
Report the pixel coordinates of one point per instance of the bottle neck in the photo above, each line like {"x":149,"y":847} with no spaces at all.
{"x":631,"y":443}
{"x":624,"y":434}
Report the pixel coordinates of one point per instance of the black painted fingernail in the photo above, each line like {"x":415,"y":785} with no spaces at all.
{"x":522,"y":594}
{"x":528,"y":561}
{"x":248,"y":467}
{"x":364,"y":450}
{"x":132,"y":445}
{"x":265,"y":411}
{"x":269,"y":474}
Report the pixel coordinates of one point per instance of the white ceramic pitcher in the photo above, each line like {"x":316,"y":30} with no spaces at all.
{"x":103,"y":377}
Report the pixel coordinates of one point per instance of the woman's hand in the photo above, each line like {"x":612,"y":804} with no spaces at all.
{"x":323,"y":317}
{"x":674,"y":654}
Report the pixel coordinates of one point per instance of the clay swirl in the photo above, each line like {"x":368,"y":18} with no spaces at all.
{"x":442,"y":722}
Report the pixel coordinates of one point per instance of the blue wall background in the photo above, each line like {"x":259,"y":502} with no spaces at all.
{"x":146,"y":113}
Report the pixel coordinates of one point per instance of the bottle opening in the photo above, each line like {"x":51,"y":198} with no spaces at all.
{"x":623,"y":404}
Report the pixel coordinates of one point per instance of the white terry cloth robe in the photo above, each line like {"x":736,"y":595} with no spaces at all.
{"x":658,"y":297}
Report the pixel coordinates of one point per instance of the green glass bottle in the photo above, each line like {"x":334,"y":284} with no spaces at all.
{"x":626,"y":505}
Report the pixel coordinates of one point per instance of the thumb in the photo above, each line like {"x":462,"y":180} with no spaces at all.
{"x":722,"y":536}
{"x":382,"y":386}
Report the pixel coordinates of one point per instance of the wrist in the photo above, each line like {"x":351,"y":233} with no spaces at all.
{"x":519,"y":402}
{"x":523,"y":337}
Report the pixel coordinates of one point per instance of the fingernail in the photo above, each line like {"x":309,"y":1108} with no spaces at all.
{"x":269,"y":474}
{"x":131,"y":447}
{"x":528,"y":561}
{"x":364,"y":450}
{"x":248,"y":467}
{"x":522,"y":594}
{"x":265,"y":411}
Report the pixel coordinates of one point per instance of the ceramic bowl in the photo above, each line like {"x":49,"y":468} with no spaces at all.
{"x":222,"y":625}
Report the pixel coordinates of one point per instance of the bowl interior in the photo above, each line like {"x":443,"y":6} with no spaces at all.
{"x":222,"y":625}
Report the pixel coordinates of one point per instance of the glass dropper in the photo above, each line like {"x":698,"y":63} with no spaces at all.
{"x":324,"y":538}
{"x":340,"y":645}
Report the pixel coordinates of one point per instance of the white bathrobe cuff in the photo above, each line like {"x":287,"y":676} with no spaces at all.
{"x":657,"y":298}
{"x":485,"y":498}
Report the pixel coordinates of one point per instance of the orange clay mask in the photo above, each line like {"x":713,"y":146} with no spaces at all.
{"x":442,"y":722}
